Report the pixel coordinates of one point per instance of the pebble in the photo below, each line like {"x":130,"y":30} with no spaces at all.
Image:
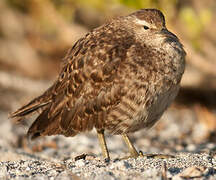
{"x":80,"y":163}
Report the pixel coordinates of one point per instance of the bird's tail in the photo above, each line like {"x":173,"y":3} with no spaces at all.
{"x":32,"y":106}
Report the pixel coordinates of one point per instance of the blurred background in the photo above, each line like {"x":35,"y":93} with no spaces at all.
{"x":36,"y":34}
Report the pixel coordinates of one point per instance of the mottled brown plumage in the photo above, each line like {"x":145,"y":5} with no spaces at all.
{"x":120,"y":78}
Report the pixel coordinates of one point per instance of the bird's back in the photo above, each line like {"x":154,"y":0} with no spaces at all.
{"x":87,"y":87}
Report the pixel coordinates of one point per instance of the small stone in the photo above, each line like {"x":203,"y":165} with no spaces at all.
{"x":3,"y":172}
{"x":80,"y":163}
{"x":127,"y":165}
{"x":191,"y":147}
{"x":63,"y":175}
{"x":192,"y":172}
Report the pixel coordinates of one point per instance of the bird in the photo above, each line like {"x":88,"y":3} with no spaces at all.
{"x":119,"y":78}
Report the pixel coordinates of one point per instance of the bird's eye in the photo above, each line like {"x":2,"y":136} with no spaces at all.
{"x":146,"y":27}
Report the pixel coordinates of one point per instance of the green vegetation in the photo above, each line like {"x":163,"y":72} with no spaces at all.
{"x":50,"y":19}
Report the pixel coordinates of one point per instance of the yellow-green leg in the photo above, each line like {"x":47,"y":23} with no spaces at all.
{"x":103,"y":145}
{"x":135,"y":154}
{"x":132,"y":150}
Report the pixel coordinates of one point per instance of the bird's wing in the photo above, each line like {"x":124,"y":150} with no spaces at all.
{"x":88,"y":85}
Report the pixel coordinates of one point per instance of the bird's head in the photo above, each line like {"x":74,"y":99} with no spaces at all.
{"x":149,"y":25}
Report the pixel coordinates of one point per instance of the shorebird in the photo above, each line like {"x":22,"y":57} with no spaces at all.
{"x":119,"y":78}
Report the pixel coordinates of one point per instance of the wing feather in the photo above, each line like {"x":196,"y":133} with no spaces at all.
{"x":89,"y":85}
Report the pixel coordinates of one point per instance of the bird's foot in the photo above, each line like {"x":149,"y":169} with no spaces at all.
{"x":148,"y":156}
{"x":134,"y":155}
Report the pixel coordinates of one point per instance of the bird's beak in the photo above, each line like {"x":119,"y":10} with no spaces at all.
{"x":168,"y":34}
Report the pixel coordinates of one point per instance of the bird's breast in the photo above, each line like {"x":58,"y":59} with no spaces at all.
{"x":152,"y":109}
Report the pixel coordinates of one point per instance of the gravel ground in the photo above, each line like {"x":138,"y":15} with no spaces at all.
{"x":184,"y":165}
{"x":180,"y":133}
{"x":57,"y":157}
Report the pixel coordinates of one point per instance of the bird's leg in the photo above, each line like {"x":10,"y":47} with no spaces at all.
{"x":103,"y":144}
{"x":135,"y":154}
{"x":132,"y":150}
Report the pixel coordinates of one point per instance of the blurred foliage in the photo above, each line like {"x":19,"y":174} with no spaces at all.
{"x":22,"y":5}
{"x":137,"y":3}
{"x":51,"y":26}
{"x":195,"y":23}
{"x":65,"y":7}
